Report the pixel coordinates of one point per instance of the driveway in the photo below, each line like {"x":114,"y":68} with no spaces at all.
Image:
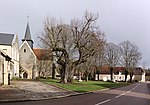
{"x":36,"y":86}
{"x":30,"y":90}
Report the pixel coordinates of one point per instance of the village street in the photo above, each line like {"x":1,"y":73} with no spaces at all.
{"x":135,"y":94}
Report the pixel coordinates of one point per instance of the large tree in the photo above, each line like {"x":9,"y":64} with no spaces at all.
{"x":72,"y":43}
{"x":129,"y":57}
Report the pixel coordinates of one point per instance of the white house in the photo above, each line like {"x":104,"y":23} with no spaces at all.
{"x":9,"y":44}
{"x":104,"y":74}
{"x":5,"y":62}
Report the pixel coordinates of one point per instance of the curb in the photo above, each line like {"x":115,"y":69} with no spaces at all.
{"x":40,"y":99}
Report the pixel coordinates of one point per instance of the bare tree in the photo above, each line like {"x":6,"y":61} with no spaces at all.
{"x":99,"y":58}
{"x":129,"y":57}
{"x":87,"y":67}
{"x":87,"y":37}
{"x":72,"y":43}
{"x":44,"y":68}
{"x":111,"y":56}
{"x":55,"y":37}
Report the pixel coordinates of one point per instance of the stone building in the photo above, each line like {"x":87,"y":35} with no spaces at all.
{"x":28,"y":60}
{"x":34,"y":62}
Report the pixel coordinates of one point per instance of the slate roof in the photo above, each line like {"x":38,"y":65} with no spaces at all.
{"x":27,"y":33}
{"x":43,"y":54}
{"x":27,"y":36}
{"x":6,"y":39}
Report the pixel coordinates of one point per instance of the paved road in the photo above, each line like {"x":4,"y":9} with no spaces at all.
{"x":135,"y":94}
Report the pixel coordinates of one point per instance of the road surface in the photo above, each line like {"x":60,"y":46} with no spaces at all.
{"x":135,"y":94}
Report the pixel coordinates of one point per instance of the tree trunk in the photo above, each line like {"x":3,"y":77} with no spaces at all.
{"x":94,"y":75}
{"x":53,"y":71}
{"x":131,"y":75}
{"x":70,"y":78}
{"x":62,"y":71}
{"x":39,"y":74}
{"x":70,"y":72}
{"x":63,"y":75}
{"x":111,"y":73}
{"x":126,"y":74}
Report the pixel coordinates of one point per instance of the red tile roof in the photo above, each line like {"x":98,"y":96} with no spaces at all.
{"x":43,"y":54}
{"x":106,"y":70}
{"x":116,"y":70}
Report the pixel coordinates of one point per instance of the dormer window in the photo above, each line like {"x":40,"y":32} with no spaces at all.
{"x":25,"y":50}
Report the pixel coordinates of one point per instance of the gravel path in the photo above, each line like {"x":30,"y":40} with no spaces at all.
{"x":30,"y":90}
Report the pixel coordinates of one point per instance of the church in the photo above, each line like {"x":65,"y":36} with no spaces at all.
{"x":27,"y":58}
{"x":34,"y":62}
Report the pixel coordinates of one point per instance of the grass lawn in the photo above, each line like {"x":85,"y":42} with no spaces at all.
{"x":84,"y":86}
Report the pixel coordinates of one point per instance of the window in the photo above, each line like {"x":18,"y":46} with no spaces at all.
{"x":25,"y":50}
{"x":5,"y":50}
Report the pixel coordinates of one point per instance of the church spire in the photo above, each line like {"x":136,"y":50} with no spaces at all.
{"x":27,"y":33}
{"x":27,"y":36}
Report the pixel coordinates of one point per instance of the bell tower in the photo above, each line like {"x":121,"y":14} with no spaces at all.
{"x":27,"y":36}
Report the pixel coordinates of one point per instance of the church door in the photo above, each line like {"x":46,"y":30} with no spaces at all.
{"x":25,"y":75}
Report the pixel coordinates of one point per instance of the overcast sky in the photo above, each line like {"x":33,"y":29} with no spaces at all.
{"x":120,"y":19}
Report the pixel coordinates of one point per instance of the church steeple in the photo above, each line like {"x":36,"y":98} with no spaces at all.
{"x":27,"y":36}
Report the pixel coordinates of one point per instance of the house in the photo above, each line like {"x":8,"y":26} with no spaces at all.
{"x":139,"y":74}
{"x":9,"y":44}
{"x":104,"y":73}
{"x":27,"y":58}
{"x":5,"y":62}
{"x":147,"y":74}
